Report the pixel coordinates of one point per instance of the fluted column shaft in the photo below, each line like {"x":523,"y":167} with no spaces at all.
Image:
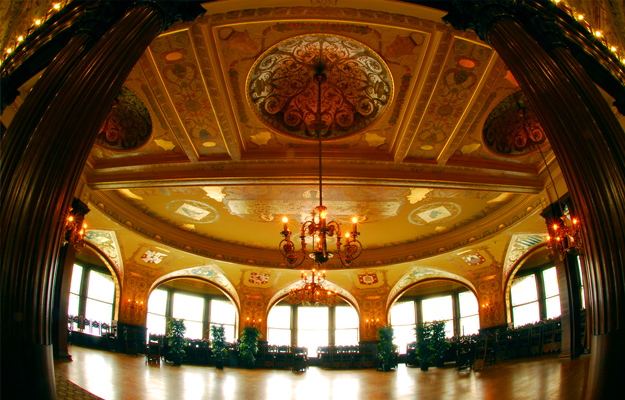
{"x":589,"y":151}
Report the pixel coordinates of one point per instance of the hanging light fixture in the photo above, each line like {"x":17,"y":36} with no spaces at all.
{"x":312,"y":290}
{"x":75,"y":229}
{"x":319,"y":228}
{"x":565,"y":233}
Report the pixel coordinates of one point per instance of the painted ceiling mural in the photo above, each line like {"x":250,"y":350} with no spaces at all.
{"x":213,"y":147}
{"x":294,"y":81}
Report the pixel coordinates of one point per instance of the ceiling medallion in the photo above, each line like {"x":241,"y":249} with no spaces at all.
{"x":507,"y":132}
{"x":128,"y":125}
{"x":284,"y":95}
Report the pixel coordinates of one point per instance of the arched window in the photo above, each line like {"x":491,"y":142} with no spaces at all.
{"x":313,"y":326}
{"x":92,"y":294}
{"x":198,"y":303}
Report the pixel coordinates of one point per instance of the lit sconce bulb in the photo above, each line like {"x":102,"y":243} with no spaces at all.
{"x":82,"y":232}
{"x":20,"y":38}
{"x":555,"y":227}
{"x":259,"y":319}
{"x":558,"y":238}
{"x":70,"y":218}
{"x":347,"y":235}
{"x":37,"y":22}
{"x":56,"y":6}
{"x":323,"y":215}
{"x":285,"y":220}
{"x":580,"y":16}
{"x":248,"y":318}
{"x":598,"y":34}
{"x":548,"y":238}
{"x":613,"y":48}
{"x":354,"y":219}
{"x":575,"y":221}
{"x":84,"y":226}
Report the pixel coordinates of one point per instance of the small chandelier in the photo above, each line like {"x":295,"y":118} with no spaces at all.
{"x":75,"y":229}
{"x":318,"y":228}
{"x":312,"y":290}
{"x":565,"y":234}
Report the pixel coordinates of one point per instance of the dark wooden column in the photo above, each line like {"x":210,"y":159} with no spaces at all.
{"x":40,"y":191}
{"x":590,"y":154}
{"x":63,"y":282}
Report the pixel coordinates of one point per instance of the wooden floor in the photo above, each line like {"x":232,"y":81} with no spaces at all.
{"x":118,"y":376}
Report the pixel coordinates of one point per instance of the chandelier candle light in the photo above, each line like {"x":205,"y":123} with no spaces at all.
{"x":318,"y":228}
{"x":313,"y":291}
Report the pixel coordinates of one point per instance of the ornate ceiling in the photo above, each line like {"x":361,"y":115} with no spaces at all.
{"x":211,"y":142}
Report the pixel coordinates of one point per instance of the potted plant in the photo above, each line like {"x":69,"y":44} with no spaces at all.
{"x":431,"y":343}
{"x":386,"y":348}
{"x":220,"y":347}
{"x":423,"y":352}
{"x":438,"y":344}
{"x":176,"y":340}
{"x":249,"y":346}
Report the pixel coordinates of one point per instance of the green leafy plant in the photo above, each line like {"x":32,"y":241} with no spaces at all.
{"x":386,"y":348}
{"x":220,"y":346}
{"x":176,"y":340}
{"x":431,"y":343}
{"x":249,"y":345}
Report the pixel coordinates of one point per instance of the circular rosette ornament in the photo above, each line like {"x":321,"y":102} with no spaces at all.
{"x":282,"y":89}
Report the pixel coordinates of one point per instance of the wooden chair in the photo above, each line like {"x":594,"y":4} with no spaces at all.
{"x":269,"y":356}
{"x":484,"y":353}
{"x":153,"y":354}
{"x":465,"y":354}
{"x":280,"y":357}
{"x":535,"y":339}
{"x":512,"y":347}
{"x":323,"y":353}
{"x":300,"y":359}
{"x":548,"y":336}
{"x":130,"y":336}
{"x":523,"y":349}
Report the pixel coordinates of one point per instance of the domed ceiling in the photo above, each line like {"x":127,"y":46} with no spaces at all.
{"x":417,"y":143}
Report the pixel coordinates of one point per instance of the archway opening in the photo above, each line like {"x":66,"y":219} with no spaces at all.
{"x":94,"y":293}
{"x":434,"y":300}
{"x":199,"y":303}
{"x":313,"y":326}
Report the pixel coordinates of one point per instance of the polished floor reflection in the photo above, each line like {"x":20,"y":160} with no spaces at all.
{"x":118,"y":376}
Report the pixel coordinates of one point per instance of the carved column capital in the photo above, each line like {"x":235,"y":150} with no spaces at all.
{"x":480,"y":16}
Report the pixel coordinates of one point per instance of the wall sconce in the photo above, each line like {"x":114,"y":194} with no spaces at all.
{"x":253,"y":321}
{"x":372,"y":323}
{"x":490,"y":310}
{"x":137,"y":305}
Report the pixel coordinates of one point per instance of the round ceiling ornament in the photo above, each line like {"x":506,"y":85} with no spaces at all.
{"x":282,"y":90}
{"x":513,"y":128}
{"x":128,"y":125}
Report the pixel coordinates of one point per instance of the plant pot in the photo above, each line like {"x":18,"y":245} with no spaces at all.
{"x":177,"y":361}
{"x":425,"y":365}
{"x":219,"y":364}
{"x":386,"y":368}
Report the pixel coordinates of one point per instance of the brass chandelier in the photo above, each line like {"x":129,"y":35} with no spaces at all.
{"x":319,"y":229}
{"x":312,"y":290}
